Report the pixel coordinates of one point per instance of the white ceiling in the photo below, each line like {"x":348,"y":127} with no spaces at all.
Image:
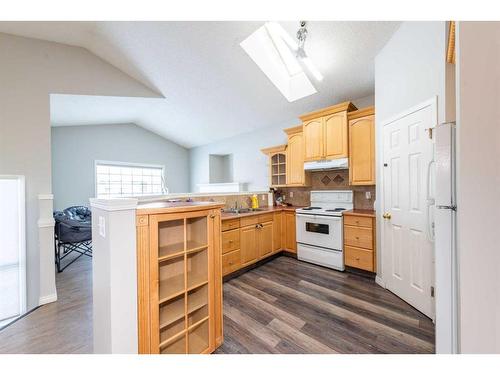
{"x":212,"y":89}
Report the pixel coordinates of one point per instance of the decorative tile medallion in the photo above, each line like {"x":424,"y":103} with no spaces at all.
{"x":326,"y":180}
{"x":338,"y":179}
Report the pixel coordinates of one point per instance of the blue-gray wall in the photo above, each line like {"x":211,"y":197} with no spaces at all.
{"x":75,"y":148}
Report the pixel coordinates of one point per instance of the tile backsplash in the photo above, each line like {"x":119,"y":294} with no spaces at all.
{"x":243,"y":200}
{"x":330,"y":180}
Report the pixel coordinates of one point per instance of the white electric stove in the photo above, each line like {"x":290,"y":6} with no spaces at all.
{"x":320,"y":228}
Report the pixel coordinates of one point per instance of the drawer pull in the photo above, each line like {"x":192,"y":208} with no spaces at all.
{"x":357,"y":258}
{"x":230,"y":241}
{"x":357,"y":237}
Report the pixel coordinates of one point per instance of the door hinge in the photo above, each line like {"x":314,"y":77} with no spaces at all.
{"x":432,"y":291}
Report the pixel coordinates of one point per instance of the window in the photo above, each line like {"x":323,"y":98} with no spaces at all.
{"x":114,"y":179}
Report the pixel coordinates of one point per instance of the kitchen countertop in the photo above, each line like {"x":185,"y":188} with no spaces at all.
{"x":355,"y":212}
{"x":263,"y":210}
{"x":170,"y":207}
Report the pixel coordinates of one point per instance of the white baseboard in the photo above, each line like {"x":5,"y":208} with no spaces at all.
{"x":380,"y":281}
{"x":43,"y":300}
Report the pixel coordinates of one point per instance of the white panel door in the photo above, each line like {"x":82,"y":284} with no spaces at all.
{"x":406,"y":241}
{"x":12,"y":249}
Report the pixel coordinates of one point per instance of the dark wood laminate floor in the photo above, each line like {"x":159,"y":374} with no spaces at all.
{"x":288,"y":306}
{"x":284,"y":306}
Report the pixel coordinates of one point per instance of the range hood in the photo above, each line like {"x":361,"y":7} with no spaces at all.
{"x":320,"y":165}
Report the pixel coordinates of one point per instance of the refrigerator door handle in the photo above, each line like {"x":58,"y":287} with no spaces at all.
{"x":430,"y":202}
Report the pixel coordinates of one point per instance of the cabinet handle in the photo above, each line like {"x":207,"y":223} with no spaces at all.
{"x":357,"y":237}
{"x":357,"y":258}
{"x":230,"y":241}
{"x":212,"y":216}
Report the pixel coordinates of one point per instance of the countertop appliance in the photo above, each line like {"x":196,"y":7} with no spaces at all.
{"x":445,"y":239}
{"x":320,"y":228}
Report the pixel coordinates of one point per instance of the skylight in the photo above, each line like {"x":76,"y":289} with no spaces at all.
{"x":275,"y":53}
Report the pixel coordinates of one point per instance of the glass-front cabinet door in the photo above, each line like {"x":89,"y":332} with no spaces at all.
{"x":278,"y":169}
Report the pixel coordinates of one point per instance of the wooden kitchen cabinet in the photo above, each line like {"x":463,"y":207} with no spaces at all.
{"x":359,"y":240}
{"x":296,"y":176}
{"x":313,"y":139}
{"x":248,"y":244}
{"x":289,"y":236}
{"x":362,"y":147}
{"x":179,"y":281}
{"x":277,"y":229}
{"x":257,"y":237}
{"x":326,"y":132}
{"x":277,"y":165}
{"x":265,"y":239}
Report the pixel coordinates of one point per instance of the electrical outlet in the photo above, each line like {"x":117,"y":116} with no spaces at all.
{"x":102,"y":226}
{"x":368,"y":195}
{"x":263,"y":197}
{"x":291,"y":194}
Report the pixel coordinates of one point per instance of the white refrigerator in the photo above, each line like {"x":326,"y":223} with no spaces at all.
{"x":446,"y":282}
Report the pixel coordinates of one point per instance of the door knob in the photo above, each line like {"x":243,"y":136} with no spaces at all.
{"x":386,"y":215}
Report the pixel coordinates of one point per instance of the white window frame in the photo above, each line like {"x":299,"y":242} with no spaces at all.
{"x":128,"y":164}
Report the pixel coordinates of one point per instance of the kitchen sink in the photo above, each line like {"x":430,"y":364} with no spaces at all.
{"x":241,"y":210}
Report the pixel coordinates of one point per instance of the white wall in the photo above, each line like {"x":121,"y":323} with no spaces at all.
{"x":249,"y":163}
{"x":409,"y":70}
{"x":478,"y":182}
{"x":75,"y":149}
{"x":30,"y":70}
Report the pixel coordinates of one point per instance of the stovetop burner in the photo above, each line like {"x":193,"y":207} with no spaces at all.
{"x":311,"y":208}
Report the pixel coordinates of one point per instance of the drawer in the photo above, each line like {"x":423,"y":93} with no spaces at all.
{"x":359,"y":258}
{"x":358,"y":221}
{"x":255,"y":219}
{"x":358,"y":236}
{"x":265,"y":218}
{"x":230,"y":240}
{"x":249,"y":220}
{"x":230,"y":224}
{"x":231,"y":262}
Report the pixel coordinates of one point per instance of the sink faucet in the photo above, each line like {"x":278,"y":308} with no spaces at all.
{"x":236,"y":205}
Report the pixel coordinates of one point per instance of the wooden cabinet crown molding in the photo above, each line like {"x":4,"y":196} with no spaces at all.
{"x":368,"y":111}
{"x":293,"y":130}
{"x":274,"y":149}
{"x":345,"y":106}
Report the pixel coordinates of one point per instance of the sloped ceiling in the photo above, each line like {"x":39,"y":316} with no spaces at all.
{"x":211,"y":88}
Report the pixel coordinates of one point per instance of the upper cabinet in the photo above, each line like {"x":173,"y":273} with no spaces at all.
{"x":277,"y":165}
{"x":362,"y":147}
{"x":313,"y":139}
{"x":326,"y":132}
{"x":296,"y":176}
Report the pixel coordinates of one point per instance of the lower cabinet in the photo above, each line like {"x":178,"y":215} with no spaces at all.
{"x":256,"y":237}
{"x":179,"y":289}
{"x":265,"y":238}
{"x":359,"y":241}
{"x":289,"y":236}
{"x":248,"y":244}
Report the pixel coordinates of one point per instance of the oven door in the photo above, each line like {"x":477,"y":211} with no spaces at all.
{"x":319,"y":230}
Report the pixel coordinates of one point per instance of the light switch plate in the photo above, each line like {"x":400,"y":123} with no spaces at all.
{"x":102,"y":226}
{"x":291,"y":194}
